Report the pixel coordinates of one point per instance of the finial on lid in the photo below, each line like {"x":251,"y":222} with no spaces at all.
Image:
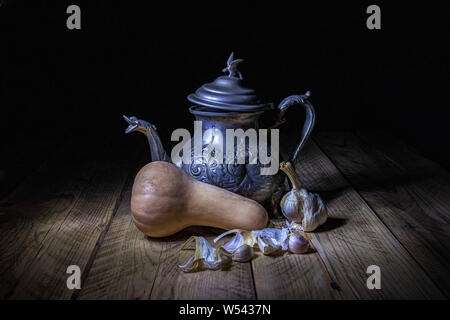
{"x":232,"y":66}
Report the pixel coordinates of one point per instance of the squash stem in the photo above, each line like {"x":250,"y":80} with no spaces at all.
{"x":289,"y":170}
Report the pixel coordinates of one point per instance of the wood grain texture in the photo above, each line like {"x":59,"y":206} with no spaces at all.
{"x":126,"y":263}
{"x":234,"y":282}
{"x":293,"y":276}
{"x":148,"y":268}
{"x":410,"y":194}
{"x":130,"y":265}
{"x":355,"y":238}
{"x":75,"y":229}
{"x":39,"y":204}
{"x":75,"y":210}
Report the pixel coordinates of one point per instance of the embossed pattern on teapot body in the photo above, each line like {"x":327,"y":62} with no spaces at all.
{"x":242,"y":178}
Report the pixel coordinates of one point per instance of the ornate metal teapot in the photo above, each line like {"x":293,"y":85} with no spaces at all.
{"x":227,"y":103}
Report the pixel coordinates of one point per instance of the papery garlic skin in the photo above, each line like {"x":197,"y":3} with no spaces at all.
{"x":243,"y":254}
{"x":314,"y":213}
{"x":269,"y":240}
{"x":205,"y":256}
{"x":240,"y":247}
{"x":241,"y":238}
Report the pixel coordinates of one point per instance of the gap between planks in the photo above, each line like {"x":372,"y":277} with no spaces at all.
{"x":429,"y":190}
{"x":130,"y":266}
{"x":155,"y":274}
{"x":359,"y":239}
{"x":31,"y":212}
{"x":104,"y":232}
{"x":71,"y":230}
{"x":409,"y":208}
{"x":189,"y":286}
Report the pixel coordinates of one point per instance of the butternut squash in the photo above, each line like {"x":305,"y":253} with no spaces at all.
{"x":165,"y":199}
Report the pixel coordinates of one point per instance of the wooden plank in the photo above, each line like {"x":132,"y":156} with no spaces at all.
{"x":126,"y":262}
{"x":408,"y":192}
{"x":73,"y":238}
{"x":355,"y":238}
{"x":236,"y":282}
{"x":130,"y":265}
{"x":293,"y":276}
{"x":35,"y":207}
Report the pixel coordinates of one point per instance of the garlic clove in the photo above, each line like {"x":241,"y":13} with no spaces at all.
{"x":297,"y":243}
{"x":291,"y":206}
{"x":243,"y":254}
{"x":241,"y":238}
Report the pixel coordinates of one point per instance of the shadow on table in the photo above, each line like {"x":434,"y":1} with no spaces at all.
{"x":331,"y":224}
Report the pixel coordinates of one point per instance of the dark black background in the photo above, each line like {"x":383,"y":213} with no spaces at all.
{"x":142,"y":58}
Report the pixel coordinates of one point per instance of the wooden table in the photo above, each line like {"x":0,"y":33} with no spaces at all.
{"x":388,"y":206}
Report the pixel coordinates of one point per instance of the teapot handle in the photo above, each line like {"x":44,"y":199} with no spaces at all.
{"x":309,"y":121}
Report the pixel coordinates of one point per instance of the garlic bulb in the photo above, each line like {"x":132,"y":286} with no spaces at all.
{"x":300,"y":206}
{"x":298,"y":244}
{"x":291,"y":203}
{"x":243,"y":254}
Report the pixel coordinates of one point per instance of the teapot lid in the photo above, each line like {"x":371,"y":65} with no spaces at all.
{"x":228,"y":93}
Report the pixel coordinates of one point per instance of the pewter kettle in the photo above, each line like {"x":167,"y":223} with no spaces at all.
{"x":226,"y":103}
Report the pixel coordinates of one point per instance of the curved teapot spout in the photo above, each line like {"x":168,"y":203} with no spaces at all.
{"x":157,"y":151}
